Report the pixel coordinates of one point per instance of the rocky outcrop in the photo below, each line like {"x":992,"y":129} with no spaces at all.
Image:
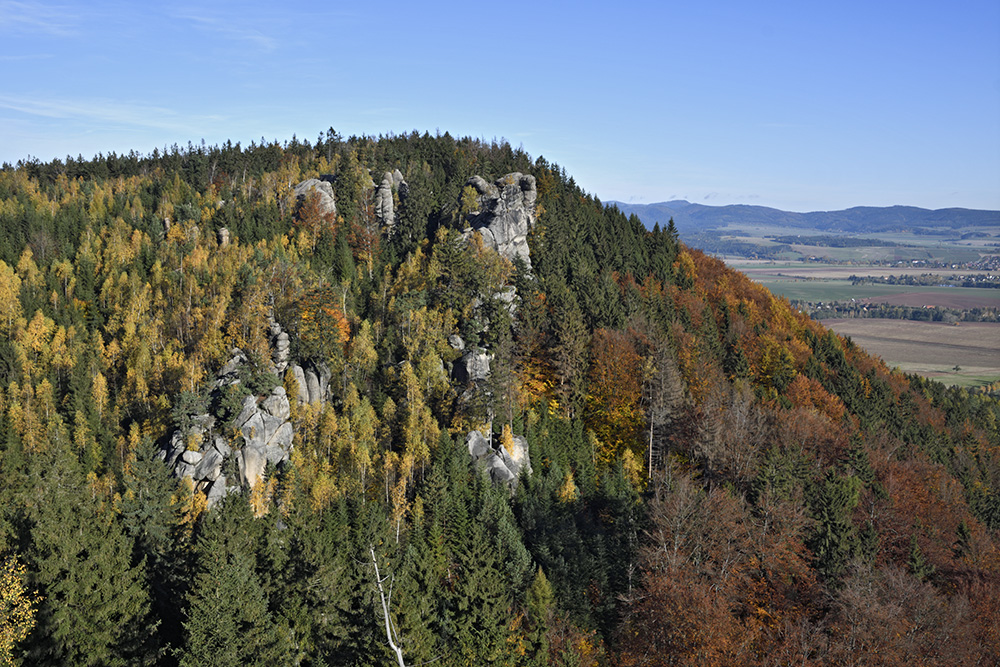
{"x":327,"y":202}
{"x":473,"y":366}
{"x":280,"y":345}
{"x":506,"y":213}
{"x":312,"y":383}
{"x":217,"y":465}
{"x":502,"y":466}
{"x":384,"y":203}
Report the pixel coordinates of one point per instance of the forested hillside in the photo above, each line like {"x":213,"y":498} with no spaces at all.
{"x":240,"y":418}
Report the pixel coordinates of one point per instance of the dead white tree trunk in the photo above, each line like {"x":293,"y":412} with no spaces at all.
{"x":390,"y":631}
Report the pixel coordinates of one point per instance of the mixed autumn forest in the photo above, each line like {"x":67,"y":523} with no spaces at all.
{"x":714,"y":478}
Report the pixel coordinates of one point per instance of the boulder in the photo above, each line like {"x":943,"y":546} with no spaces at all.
{"x":217,"y":491}
{"x":228,"y":371}
{"x":456,"y":342}
{"x":174,"y":450}
{"x":499,"y":473}
{"x":519,"y":456}
{"x":182,"y":470}
{"x":191,"y":457}
{"x":248,"y":410}
{"x":503,"y":467}
{"x":283,"y":437}
{"x":276,"y":404}
{"x":210,"y":466}
{"x":221,"y":446}
{"x":270,"y":426}
{"x":275,"y":455}
{"x":478,"y":446}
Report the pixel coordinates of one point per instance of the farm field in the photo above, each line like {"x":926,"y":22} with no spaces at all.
{"x":764,"y":269}
{"x":930,"y":349}
{"x":817,"y":282}
{"x":899,"y":295}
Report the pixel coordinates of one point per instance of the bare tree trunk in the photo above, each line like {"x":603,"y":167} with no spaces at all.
{"x":390,"y":632}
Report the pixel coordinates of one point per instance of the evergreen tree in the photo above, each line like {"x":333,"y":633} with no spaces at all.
{"x":228,"y":618}
{"x":95,"y":608}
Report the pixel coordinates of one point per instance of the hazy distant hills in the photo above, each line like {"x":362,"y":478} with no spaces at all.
{"x":690,"y":217}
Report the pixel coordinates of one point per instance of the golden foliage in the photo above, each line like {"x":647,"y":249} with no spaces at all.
{"x":17,"y":609}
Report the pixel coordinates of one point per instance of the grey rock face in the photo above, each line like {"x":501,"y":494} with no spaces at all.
{"x":502,"y":467}
{"x":252,"y":462}
{"x":327,"y":202}
{"x":313,"y":386}
{"x":392,"y":182}
{"x":478,"y":446}
{"x":276,"y":404}
{"x":279,"y":357}
{"x":191,"y":457}
{"x":249,"y":410}
{"x":302,"y":392}
{"x":383,"y":201}
{"x":474,"y":366}
{"x":506,"y":213}
{"x":312,"y":383}
{"x":217,"y":491}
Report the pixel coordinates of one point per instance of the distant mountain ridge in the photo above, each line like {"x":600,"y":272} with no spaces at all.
{"x":689,"y":217}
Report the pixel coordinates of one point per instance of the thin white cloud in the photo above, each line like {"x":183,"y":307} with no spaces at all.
{"x":34,"y":17}
{"x":114,"y":112}
{"x":226,"y":28}
{"x":23,"y":57}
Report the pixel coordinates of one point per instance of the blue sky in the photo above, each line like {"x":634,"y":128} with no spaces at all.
{"x":797,"y":105}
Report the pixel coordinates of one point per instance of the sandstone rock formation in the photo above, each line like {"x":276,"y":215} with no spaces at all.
{"x":384,"y":204}
{"x":506,"y":213}
{"x":327,"y":202}
{"x":313,"y":383}
{"x":473,"y":366}
{"x":204,"y":452}
{"x":502,"y":466}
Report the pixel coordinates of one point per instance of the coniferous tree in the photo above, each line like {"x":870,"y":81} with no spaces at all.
{"x":96,"y":607}
{"x":228,"y":617}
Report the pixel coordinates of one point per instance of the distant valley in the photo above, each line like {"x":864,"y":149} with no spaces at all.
{"x":689,"y":217}
{"x":895,"y":235}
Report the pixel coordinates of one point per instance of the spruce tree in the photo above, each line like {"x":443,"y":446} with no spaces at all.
{"x":95,"y":608}
{"x":228,"y":619}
